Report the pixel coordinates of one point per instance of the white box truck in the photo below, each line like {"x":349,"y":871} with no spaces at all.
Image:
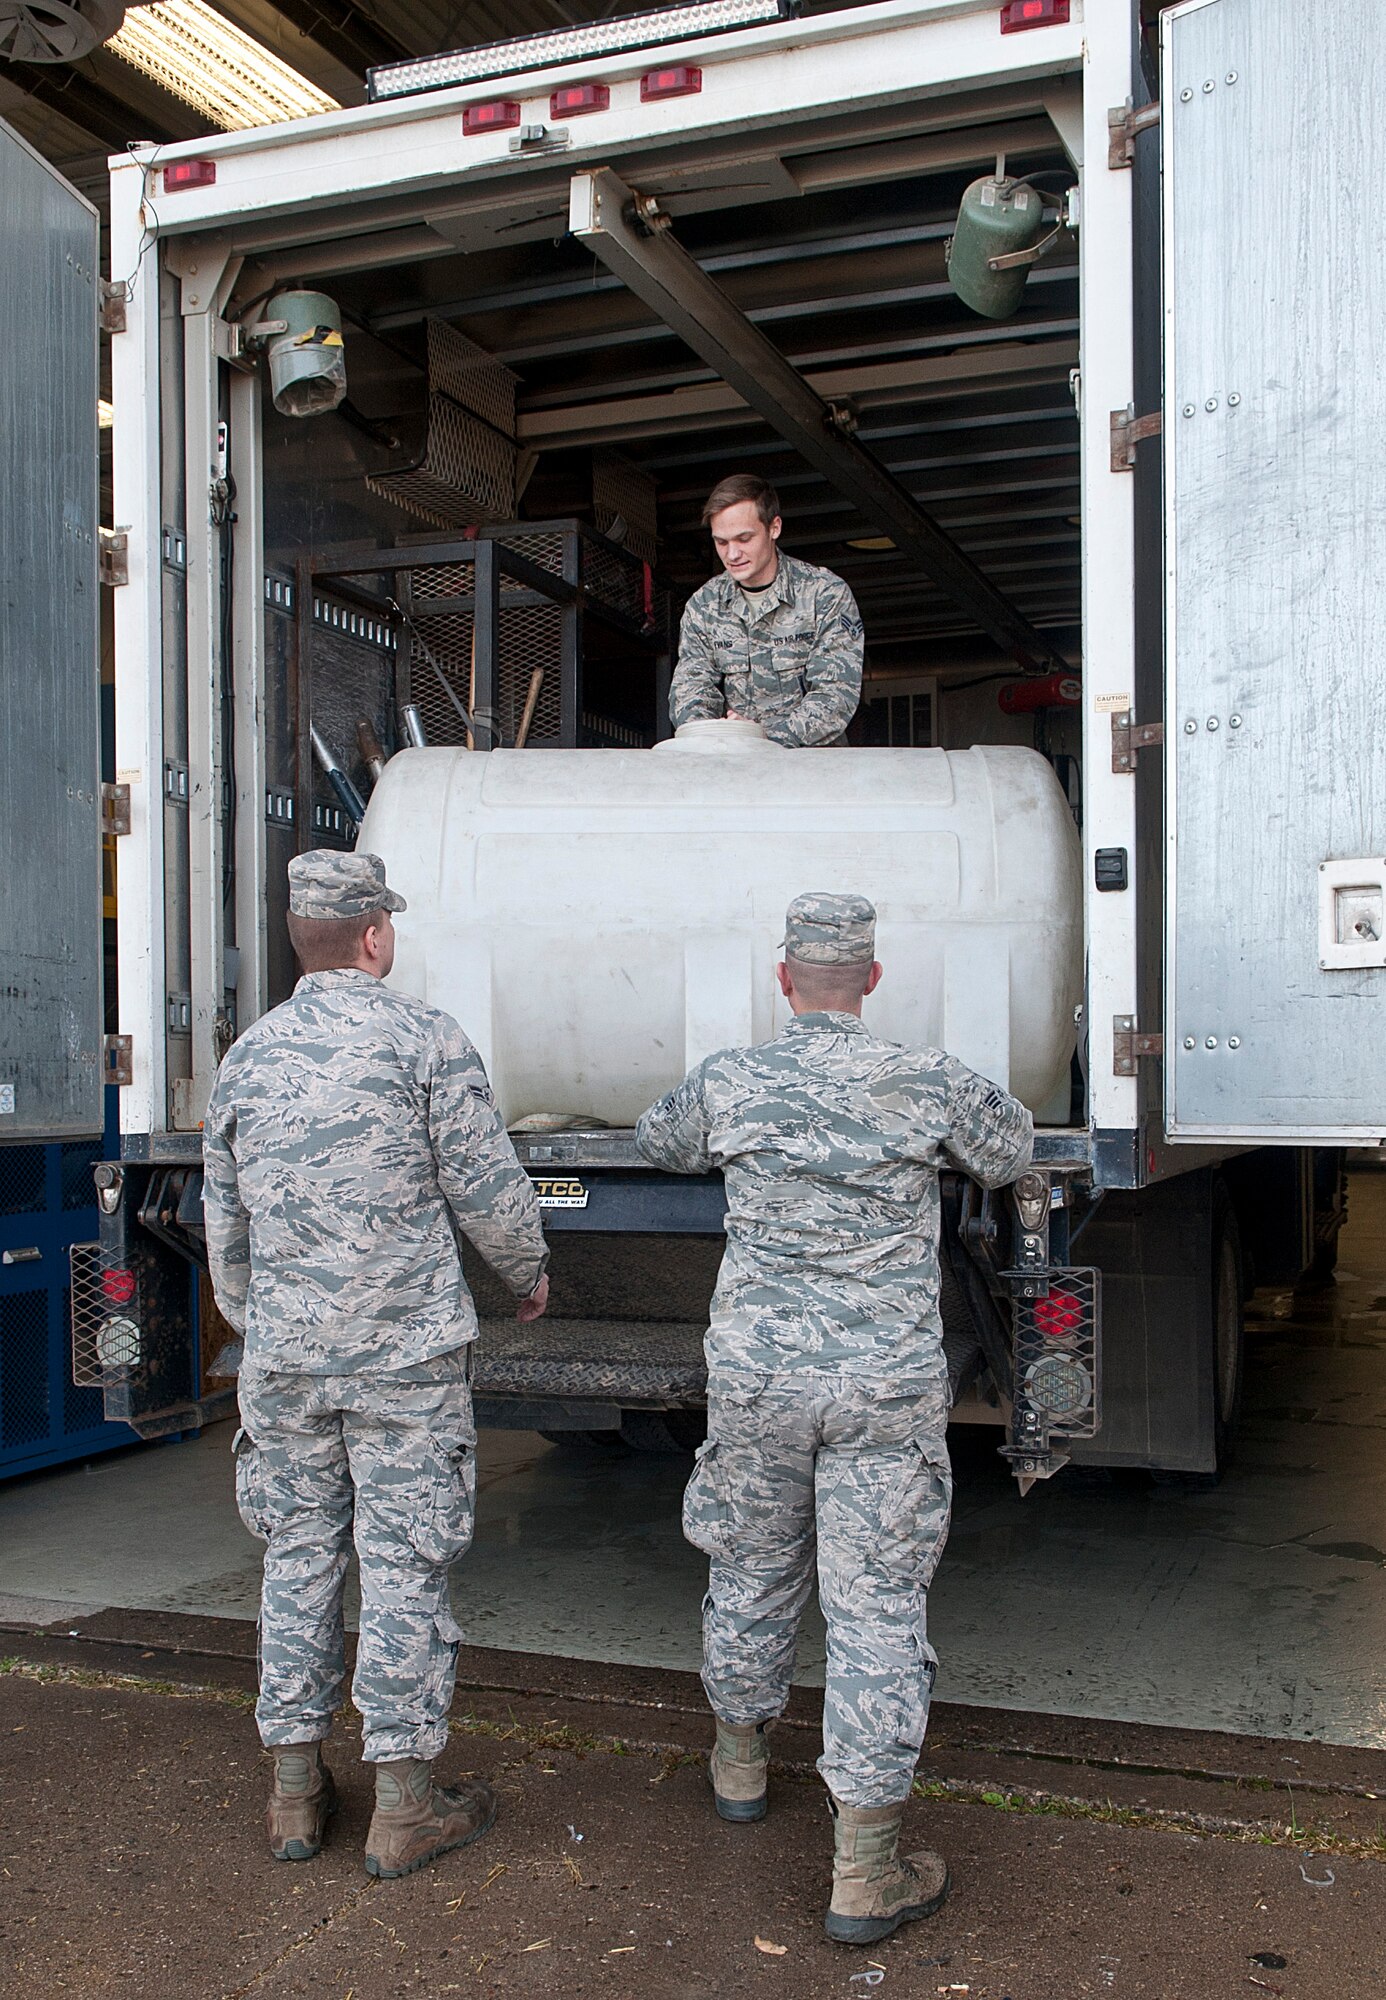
{"x":415,"y":406}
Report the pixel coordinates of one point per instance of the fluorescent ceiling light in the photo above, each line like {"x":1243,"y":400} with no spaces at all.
{"x":105,"y":415}
{"x":198,"y":55}
{"x":603,"y":38}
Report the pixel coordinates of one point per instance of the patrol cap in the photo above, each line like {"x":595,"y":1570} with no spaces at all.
{"x":820,"y":929}
{"x":327,"y":884}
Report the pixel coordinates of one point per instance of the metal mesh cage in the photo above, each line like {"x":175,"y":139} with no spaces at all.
{"x":622,"y":488}
{"x":529,"y":636}
{"x":465,"y":473}
{"x":1057,"y":1353}
{"x":107,"y":1343}
{"x":23,"y":1368}
{"x":21,"y":1179}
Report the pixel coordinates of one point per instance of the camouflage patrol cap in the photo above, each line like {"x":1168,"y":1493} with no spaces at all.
{"x":820,"y":929}
{"x":326,"y":884}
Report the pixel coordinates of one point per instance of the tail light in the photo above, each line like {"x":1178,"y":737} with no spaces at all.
{"x":577,"y":98}
{"x":1018,"y":14}
{"x":678,"y":80}
{"x":180,"y":174}
{"x":497,"y":116}
{"x":118,"y":1287}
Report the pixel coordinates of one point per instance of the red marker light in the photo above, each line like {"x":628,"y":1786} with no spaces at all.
{"x":681,"y":80}
{"x":496,"y":117}
{"x":1058,"y":1316}
{"x":180,"y":174}
{"x":1018,"y":14}
{"x":576,"y":98}
{"x":118,"y":1287}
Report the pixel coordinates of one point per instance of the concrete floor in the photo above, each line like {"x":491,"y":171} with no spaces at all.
{"x":1259,"y":1608}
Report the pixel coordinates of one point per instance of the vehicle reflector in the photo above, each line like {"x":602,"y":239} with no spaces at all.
{"x":118,"y":1287}
{"x":1018,"y":14}
{"x":180,"y":174}
{"x":654,"y":29}
{"x":576,"y":98}
{"x":495,"y":117}
{"x":1058,"y":1316}
{"x":680,"y":80}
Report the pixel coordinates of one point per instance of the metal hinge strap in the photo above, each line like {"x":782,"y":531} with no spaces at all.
{"x":1129,"y":738}
{"x":117,"y":1059}
{"x":1129,"y":1045}
{"x":114,"y":295}
{"x":1124,"y":125}
{"x":1129,"y":430}
{"x":114,"y":556}
{"x":115,"y":809}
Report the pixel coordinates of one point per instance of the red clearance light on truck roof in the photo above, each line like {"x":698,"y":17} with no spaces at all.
{"x":1018,"y":14}
{"x":496,"y":117}
{"x":576,"y":98}
{"x":679,"y":80}
{"x":179,"y":174}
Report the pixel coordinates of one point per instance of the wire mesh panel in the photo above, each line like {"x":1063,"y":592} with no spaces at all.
{"x":21,"y":1179}
{"x":625,"y":493}
{"x":107,"y":1341}
{"x":23,"y":1368}
{"x":352,"y":680}
{"x":74,"y":1174}
{"x":1057,"y":1352}
{"x":464,"y":473}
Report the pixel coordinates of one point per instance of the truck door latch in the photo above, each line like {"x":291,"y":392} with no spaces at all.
{"x":115,"y":809}
{"x":114,"y":556}
{"x":1129,"y":1045}
{"x":1130,"y":738}
{"x":117,"y":1059}
{"x":1129,"y":430}
{"x":1124,"y":125}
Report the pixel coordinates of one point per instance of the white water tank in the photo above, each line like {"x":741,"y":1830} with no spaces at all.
{"x":599,"y":920}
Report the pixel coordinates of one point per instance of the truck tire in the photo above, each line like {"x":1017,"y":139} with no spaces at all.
{"x":664,"y":1433}
{"x":1227,"y":1337}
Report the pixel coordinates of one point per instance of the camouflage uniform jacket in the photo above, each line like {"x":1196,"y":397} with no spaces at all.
{"x":350,"y":1133}
{"x":791,"y":663}
{"x":831,"y":1142}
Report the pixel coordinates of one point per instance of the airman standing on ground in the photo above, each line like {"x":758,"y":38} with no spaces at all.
{"x":827,"y":1388}
{"x":351,"y":1133}
{"x":772,"y":640}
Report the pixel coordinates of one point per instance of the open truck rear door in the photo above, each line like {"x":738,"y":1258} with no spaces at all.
{"x":1274,"y":116}
{"x":50,"y":790}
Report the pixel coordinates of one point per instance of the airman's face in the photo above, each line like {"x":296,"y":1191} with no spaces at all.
{"x":745,"y":544}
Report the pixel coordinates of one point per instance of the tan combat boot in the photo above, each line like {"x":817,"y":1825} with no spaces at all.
{"x":414,"y":1819}
{"x":738,"y":1768}
{"x":874,"y":1889}
{"x":301,"y":1798}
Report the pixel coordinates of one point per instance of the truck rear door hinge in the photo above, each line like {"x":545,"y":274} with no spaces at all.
{"x":114,"y":294}
{"x":1124,"y":125}
{"x":115,"y":809}
{"x":1128,"y":1045}
{"x":117,"y":1059}
{"x":1130,"y":738}
{"x":115,"y":556}
{"x":1128,"y":430}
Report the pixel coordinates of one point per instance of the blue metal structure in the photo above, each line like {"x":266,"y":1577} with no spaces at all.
{"x":47,"y":1202}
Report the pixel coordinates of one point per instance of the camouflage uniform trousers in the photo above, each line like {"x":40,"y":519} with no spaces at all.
{"x":856,"y":1470}
{"x":389,"y":1460}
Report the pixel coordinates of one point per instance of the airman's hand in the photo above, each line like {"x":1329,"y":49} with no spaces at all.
{"x":536,"y":1303}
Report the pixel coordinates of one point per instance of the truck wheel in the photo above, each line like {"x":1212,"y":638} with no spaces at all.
{"x":610,"y":1442}
{"x":1229,"y":1324}
{"x":664,"y":1433}
{"x":1227,"y":1329}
